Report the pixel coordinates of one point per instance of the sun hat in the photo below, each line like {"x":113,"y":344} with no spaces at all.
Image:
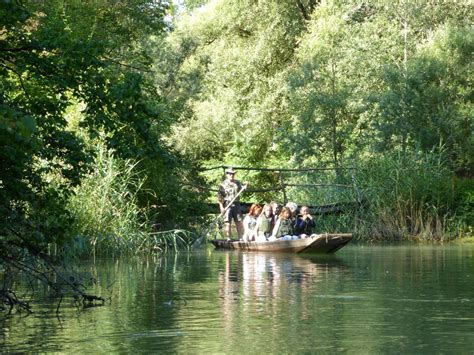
{"x":230,"y":170}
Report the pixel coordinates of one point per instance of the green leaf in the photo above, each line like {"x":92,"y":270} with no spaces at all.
{"x":27,"y":126}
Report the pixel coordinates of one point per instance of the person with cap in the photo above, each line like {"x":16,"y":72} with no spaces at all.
{"x":229,"y":202}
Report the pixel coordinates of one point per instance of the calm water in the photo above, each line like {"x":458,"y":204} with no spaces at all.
{"x":365,"y":299}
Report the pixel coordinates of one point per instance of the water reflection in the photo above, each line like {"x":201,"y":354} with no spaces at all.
{"x":363,"y":300}
{"x":264,"y":284}
{"x":259,"y":274}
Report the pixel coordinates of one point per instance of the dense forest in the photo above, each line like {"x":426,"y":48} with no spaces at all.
{"x":113,"y":114}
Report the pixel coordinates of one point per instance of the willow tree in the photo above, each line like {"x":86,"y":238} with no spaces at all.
{"x":234,"y":56}
{"x":294,"y":83}
{"x":321,"y":89}
{"x":415,"y":82}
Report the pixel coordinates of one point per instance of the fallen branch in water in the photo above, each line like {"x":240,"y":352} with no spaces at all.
{"x":19,"y":256}
{"x":9,"y":298}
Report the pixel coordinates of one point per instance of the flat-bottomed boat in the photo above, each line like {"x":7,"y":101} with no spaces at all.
{"x":326,"y":243}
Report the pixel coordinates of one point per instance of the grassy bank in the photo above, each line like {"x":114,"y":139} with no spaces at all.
{"x":408,"y":197}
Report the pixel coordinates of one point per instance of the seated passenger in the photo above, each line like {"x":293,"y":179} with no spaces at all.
{"x":250,"y":221}
{"x":304,"y":223}
{"x":284,"y":227}
{"x":276,"y":209}
{"x":263,"y":227}
{"x":293,"y":209}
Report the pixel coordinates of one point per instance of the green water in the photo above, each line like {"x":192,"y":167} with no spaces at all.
{"x":365,"y":299}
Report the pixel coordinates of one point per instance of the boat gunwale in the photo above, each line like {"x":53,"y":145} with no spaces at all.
{"x":292,"y":245}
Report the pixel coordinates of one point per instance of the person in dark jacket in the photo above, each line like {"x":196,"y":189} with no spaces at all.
{"x":304,"y":224}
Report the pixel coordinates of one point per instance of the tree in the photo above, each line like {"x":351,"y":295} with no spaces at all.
{"x":233,"y":55}
{"x":321,"y":89}
{"x":57,"y":57}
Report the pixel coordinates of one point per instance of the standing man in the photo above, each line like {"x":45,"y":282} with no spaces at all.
{"x":226,"y":194}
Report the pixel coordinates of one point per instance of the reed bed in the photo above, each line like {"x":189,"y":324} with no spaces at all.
{"x":410,"y":196}
{"x":107,"y":217}
{"x":402,"y":196}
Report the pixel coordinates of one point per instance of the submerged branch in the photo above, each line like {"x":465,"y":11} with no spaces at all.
{"x":9,"y":298}
{"x":20,"y":255}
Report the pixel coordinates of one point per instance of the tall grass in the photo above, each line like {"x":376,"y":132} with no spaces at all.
{"x":405,"y":196}
{"x":107,"y":217}
{"x":410,"y":195}
{"x":105,"y":209}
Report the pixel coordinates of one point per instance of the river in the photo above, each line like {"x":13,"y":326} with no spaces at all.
{"x":366,"y":299}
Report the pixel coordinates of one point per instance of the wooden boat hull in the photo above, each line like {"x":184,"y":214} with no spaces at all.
{"x":316,"y":243}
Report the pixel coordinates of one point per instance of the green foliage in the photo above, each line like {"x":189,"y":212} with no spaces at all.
{"x":463,"y":221}
{"x":299,"y":84}
{"x":235,"y":53}
{"x":107,"y":215}
{"x":409,"y":194}
{"x":321,"y":90}
{"x":75,"y":74}
{"x":428,"y":104}
{"x":170,"y":240}
{"x":105,"y":208}
{"x":54,"y":54}
{"x":267,"y":83}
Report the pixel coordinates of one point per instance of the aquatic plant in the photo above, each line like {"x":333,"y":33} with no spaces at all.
{"x":107,"y":217}
{"x":410,"y":195}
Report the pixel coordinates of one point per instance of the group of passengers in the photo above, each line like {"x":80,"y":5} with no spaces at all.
{"x":262,"y":223}
{"x":272,"y":222}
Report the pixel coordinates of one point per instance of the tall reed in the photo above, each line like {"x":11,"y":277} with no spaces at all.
{"x":104,"y":206}
{"x":404,"y":196}
{"x":410,"y":195}
{"x":107,"y":217}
